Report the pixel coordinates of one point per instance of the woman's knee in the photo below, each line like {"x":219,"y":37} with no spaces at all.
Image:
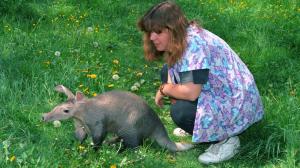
{"x":183,"y":111}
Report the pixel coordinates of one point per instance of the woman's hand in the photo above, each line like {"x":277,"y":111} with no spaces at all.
{"x":159,"y":99}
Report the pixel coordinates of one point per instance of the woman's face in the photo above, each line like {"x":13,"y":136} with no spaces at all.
{"x":160,"y":40}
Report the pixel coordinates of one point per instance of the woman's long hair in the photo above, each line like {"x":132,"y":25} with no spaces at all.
{"x":165,"y":15}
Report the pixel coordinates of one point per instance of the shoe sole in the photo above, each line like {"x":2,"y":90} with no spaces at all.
{"x":229,"y":157}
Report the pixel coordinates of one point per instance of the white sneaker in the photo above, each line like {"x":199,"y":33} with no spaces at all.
{"x":180,"y":132}
{"x":220,"y":151}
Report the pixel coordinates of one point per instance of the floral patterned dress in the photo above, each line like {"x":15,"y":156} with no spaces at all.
{"x":229,"y":102}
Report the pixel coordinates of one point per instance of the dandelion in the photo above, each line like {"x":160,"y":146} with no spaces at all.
{"x":94,"y":94}
{"x":81,"y":147}
{"x":110,"y":85}
{"x":97,"y":29}
{"x":89,"y":29}
{"x":115,"y":77}
{"x":115,"y":61}
{"x":22,"y":145}
{"x":47,"y":62}
{"x":113,"y":166}
{"x":6,"y":144}
{"x":13,"y":158}
{"x":57,"y":53}
{"x":142,"y":81}
{"x":137,"y":84}
{"x":95,"y":44}
{"x":93,"y":76}
{"x":139,"y":74}
{"x":134,"y":88}
{"x":56,"y":123}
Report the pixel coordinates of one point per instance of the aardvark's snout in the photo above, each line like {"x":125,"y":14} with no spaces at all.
{"x":45,"y":117}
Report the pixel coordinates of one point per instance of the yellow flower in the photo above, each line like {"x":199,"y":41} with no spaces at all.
{"x":93,"y":76}
{"x":94,"y":94}
{"x":115,"y":61}
{"x":47,"y":62}
{"x":113,"y":166}
{"x":13,"y":158}
{"x":110,"y":85}
{"x":81,"y":147}
{"x":139,"y":74}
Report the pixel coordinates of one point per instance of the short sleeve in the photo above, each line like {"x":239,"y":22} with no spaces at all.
{"x":197,"y":54}
{"x":199,"y":76}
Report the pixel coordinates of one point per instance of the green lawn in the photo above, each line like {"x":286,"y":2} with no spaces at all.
{"x":82,"y":44}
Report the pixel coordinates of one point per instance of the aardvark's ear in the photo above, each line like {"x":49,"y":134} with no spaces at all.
{"x":79,"y":97}
{"x":66,"y":91}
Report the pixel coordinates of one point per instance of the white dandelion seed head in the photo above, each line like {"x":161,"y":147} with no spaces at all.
{"x":6,"y":143}
{"x":142,"y":81}
{"x":57,"y":53}
{"x":95,"y":44}
{"x":56,"y":123}
{"x":115,"y":77}
{"x":134,"y":88}
{"x":137,"y":84}
{"x":89,"y":29}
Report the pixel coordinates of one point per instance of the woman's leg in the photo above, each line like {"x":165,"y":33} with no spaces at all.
{"x":183,"y":114}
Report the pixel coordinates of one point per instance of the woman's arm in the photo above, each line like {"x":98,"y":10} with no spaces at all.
{"x":187,"y":91}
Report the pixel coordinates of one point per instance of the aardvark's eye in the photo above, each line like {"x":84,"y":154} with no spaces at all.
{"x":66,"y":111}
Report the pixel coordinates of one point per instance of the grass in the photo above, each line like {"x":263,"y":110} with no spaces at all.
{"x":97,"y":39}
